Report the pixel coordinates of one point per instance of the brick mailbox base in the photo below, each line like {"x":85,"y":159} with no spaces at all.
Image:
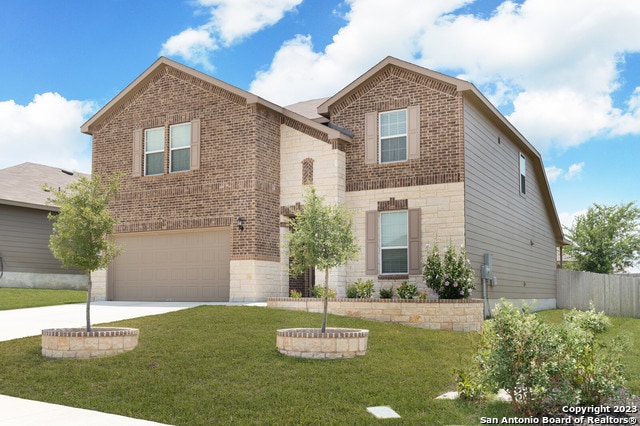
{"x":312,"y":343}
{"x":451,"y":315}
{"x":78,"y":343}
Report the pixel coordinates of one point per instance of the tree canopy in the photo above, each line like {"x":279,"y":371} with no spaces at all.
{"x":606,"y":239}
{"x":321,"y":237}
{"x":82,"y":226}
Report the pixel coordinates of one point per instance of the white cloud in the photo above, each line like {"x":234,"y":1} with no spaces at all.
{"x":233,"y":20}
{"x":555,"y":65}
{"x":553,"y":173}
{"x":46,"y":131}
{"x":373,"y":31}
{"x":575,"y":170}
{"x":229,"y":22}
{"x":192,"y":45}
{"x":567,"y":219}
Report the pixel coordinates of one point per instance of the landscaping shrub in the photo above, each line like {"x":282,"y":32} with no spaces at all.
{"x":386,"y":293}
{"x":407,"y":290}
{"x":352,"y":291}
{"x":318,"y":291}
{"x":544,"y":366}
{"x":449,"y":274}
{"x":360,"y":289}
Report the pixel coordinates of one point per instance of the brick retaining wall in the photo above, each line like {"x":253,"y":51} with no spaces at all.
{"x":450,"y":315}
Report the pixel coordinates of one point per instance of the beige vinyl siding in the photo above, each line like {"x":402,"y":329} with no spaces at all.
{"x":24,"y":242}
{"x":501,"y":221}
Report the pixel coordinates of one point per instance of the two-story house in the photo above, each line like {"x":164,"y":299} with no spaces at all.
{"x":213,"y":172}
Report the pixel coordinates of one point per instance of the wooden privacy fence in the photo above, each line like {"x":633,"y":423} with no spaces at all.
{"x":616,"y":295}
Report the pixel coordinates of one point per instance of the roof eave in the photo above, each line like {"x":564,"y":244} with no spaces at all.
{"x":27,"y":205}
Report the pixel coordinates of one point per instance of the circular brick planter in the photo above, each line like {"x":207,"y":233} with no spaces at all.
{"x":79,"y":343}
{"x":312,"y":343}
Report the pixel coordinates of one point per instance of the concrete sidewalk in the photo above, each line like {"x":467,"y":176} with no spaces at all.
{"x":30,"y":322}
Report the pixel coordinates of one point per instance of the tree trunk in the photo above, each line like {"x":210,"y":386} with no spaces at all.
{"x":326,"y":300}
{"x":89,"y":304}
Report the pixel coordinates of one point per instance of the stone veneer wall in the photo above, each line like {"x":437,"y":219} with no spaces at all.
{"x":442,"y":219}
{"x":78,"y":343}
{"x":449,"y":315}
{"x":255,"y":280}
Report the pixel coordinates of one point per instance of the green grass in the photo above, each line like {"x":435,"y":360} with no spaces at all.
{"x":17,"y":298}
{"x":219,"y":365}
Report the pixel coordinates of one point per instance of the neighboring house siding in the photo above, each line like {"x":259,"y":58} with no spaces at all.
{"x":24,"y":242}
{"x":514,"y":228}
{"x":440,"y":158}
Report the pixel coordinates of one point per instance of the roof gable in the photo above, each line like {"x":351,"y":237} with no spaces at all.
{"x":455,"y":87}
{"x":163,"y":65}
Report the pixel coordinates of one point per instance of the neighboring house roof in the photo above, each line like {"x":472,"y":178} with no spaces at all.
{"x":473,"y":95}
{"x":131,"y":91}
{"x":21,"y":185}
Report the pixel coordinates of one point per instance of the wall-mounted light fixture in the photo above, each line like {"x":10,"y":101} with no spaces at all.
{"x":240,"y":223}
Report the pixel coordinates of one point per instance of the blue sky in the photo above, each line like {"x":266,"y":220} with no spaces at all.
{"x":565,"y":73}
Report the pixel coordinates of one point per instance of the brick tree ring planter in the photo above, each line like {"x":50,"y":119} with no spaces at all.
{"x":312,"y":343}
{"x":78,"y":343}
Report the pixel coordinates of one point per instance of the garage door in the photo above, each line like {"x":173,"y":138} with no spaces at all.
{"x":172,"y":266}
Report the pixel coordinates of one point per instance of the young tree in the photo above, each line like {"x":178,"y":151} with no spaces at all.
{"x":606,"y":239}
{"x":321,"y":237}
{"x":82,"y":227}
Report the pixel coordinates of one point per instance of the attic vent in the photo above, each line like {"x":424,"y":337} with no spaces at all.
{"x":66,"y":172}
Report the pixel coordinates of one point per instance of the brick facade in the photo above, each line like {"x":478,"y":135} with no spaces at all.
{"x":441,"y":138}
{"x":238,"y":173}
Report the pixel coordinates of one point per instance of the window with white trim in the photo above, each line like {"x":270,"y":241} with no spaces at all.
{"x":154,"y":151}
{"x":394,"y":242}
{"x":180,"y":147}
{"x":393,"y":136}
{"x":523,"y":174}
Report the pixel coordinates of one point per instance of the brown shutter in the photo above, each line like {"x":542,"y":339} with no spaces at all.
{"x":413,"y":131}
{"x":371,"y":138}
{"x":137,"y":153}
{"x":415,"y":245}
{"x":195,"y":144}
{"x":371,"y":243}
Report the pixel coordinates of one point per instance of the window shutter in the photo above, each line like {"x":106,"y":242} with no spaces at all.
{"x":137,"y":153}
{"x":371,"y":138}
{"x":415,"y":245}
{"x":371,"y":243}
{"x":413,"y":132}
{"x":195,"y":144}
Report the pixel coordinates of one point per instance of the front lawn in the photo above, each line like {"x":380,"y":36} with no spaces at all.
{"x":219,"y":365}
{"x":17,"y":298}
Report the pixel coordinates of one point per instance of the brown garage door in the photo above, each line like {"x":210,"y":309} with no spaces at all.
{"x":165,"y":266}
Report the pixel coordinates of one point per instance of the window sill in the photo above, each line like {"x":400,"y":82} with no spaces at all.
{"x":394,"y":277}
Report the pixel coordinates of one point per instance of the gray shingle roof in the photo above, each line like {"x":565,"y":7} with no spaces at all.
{"x":21,"y":185}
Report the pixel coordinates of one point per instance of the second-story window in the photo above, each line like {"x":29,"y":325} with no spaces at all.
{"x":180,"y":147}
{"x":523,"y":174}
{"x":154,"y":151}
{"x":393,"y":136}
